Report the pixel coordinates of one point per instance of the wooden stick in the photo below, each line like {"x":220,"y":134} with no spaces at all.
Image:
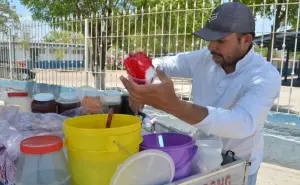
{"x":109,"y":117}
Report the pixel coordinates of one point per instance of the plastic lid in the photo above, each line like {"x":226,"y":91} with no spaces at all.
{"x":93,"y":92}
{"x":147,"y":167}
{"x":17,"y":94}
{"x":112,"y":97}
{"x":112,"y":93}
{"x":69,"y":96}
{"x":43,"y":97}
{"x":41,"y":144}
{"x":125,"y":92}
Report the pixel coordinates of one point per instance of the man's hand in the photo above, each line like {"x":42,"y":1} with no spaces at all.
{"x":160,"y":96}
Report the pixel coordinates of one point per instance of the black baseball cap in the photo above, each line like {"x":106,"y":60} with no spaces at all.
{"x":232,"y":17}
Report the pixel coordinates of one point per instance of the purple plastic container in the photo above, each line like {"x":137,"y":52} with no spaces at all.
{"x":184,"y":170}
{"x":180,"y":147}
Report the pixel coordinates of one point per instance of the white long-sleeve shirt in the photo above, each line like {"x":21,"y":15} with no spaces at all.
{"x":238,"y":102}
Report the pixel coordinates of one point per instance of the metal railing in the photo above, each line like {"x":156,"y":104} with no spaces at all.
{"x":77,"y":51}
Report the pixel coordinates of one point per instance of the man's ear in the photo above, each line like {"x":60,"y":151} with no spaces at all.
{"x":248,"y":39}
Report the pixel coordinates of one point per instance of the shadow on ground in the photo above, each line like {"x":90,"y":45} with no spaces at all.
{"x":296,"y":82}
{"x":283,"y":109}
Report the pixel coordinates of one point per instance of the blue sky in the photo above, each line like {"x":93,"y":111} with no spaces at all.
{"x":22,"y":10}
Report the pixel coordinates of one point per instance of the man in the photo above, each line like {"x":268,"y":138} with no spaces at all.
{"x":233,"y":87}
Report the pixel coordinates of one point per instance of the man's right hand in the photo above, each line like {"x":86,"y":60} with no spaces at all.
{"x":135,"y":107}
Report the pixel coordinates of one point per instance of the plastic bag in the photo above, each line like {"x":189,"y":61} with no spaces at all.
{"x":7,"y":168}
{"x":49,"y":122}
{"x":80,"y":111}
{"x":208,"y":157}
{"x":139,"y":68}
{"x":19,"y":126}
{"x":10,"y":138}
{"x":23,"y":125}
{"x":8,"y":112}
{"x":199,"y":135}
{"x":16,"y":126}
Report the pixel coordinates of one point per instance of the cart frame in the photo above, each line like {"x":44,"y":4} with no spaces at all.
{"x":233,"y":173}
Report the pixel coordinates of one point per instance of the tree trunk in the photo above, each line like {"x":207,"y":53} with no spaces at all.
{"x":270,"y":45}
{"x":280,"y":14}
{"x":98,"y":62}
{"x":100,"y":80}
{"x":166,"y":37}
{"x":98,"y":57}
{"x":165,"y":44}
{"x":99,"y":53}
{"x":100,"y":77}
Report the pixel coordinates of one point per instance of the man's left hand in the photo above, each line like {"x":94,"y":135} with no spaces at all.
{"x":160,"y":96}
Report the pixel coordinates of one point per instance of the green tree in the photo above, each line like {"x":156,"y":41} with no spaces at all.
{"x":165,"y":26}
{"x":262,"y":51}
{"x":111,"y":20}
{"x":25,"y":39}
{"x":65,"y":37}
{"x":7,"y":15}
{"x":59,"y":53}
{"x":278,"y":11}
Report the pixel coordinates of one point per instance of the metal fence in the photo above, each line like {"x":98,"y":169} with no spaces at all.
{"x":77,"y":51}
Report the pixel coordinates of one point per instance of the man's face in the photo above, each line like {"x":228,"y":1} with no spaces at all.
{"x":228,"y":50}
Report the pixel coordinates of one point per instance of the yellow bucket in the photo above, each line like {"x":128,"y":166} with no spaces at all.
{"x":94,"y":152}
{"x":89,"y":133}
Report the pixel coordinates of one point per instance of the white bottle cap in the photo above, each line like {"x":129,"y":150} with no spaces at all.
{"x":112,"y":97}
{"x":93,"y":92}
{"x":43,"y":97}
{"x":68,"y":96}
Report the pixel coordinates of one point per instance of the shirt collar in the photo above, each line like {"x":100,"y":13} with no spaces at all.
{"x":244,"y":62}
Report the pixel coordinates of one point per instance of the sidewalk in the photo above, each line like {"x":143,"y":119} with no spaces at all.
{"x":276,"y":175}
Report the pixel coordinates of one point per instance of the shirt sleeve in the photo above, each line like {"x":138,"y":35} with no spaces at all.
{"x":248,"y":113}
{"x":181,"y":65}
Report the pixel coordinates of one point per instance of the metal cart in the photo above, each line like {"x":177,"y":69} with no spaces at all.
{"x":233,"y":172}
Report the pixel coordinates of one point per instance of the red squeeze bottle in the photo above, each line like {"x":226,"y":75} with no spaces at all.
{"x":139,"y":68}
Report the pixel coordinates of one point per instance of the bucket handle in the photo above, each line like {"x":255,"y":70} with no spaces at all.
{"x":115,"y":142}
{"x":194,"y":151}
{"x":122,"y":147}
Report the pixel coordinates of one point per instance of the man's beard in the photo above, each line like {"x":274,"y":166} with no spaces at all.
{"x":218,"y":58}
{"x":221,"y":60}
